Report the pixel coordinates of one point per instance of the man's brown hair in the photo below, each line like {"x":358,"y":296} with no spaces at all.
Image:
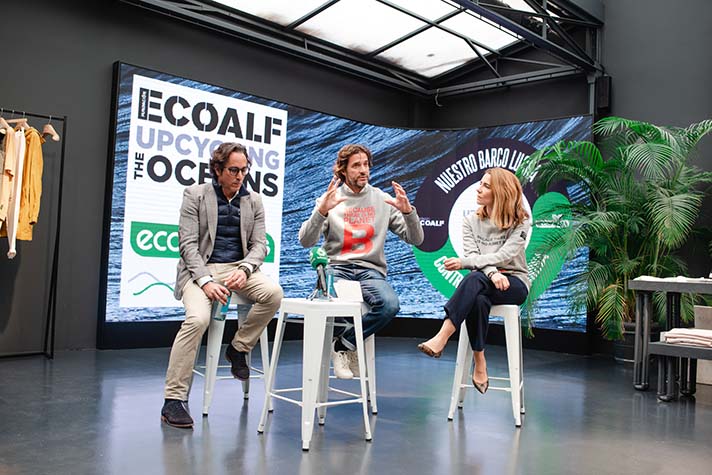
{"x":342,"y":158}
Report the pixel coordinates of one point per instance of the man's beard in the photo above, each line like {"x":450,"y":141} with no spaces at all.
{"x":355,"y":185}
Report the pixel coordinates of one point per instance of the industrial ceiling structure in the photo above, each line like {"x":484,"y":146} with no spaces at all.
{"x":424,"y":47}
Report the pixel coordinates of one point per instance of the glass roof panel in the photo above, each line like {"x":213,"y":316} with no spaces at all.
{"x":430,"y":53}
{"x":519,"y":5}
{"x":282,"y":12}
{"x":430,"y":9}
{"x":475,"y":28}
{"x":360,"y":25}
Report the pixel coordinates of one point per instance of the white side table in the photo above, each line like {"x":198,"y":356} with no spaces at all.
{"x":318,"y":332}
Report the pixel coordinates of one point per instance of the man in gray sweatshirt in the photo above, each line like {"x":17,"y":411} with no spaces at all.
{"x":354,"y":218}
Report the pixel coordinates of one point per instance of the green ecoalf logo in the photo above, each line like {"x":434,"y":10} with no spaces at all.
{"x":154,"y":239}
{"x":270,"y":248}
{"x":161,"y":240}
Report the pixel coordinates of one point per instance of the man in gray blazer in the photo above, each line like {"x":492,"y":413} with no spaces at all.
{"x":222,"y":245}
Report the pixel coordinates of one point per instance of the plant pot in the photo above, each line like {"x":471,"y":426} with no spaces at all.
{"x":703,"y":320}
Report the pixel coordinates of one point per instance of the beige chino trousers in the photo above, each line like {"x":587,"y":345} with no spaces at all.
{"x":267,"y":297}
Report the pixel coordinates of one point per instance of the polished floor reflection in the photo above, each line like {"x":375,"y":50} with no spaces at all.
{"x":97,"y":412}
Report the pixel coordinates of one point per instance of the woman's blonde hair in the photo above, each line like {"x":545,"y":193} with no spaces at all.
{"x":507,"y":208}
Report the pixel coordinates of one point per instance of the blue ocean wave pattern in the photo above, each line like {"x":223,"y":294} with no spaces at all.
{"x":403,"y":155}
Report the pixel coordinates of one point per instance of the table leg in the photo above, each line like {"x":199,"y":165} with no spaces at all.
{"x":690,"y":382}
{"x":662,"y":367}
{"x":638,"y":344}
{"x":671,"y":373}
{"x":641,"y":358}
{"x":683,"y":374}
{"x":314,"y":330}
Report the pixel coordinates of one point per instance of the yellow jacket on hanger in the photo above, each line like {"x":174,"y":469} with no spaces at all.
{"x":31,"y":191}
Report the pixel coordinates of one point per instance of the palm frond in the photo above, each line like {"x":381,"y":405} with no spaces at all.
{"x":611,"y":307}
{"x":653,"y":160}
{"x":673,"y":215}
{"x":695,"y":132}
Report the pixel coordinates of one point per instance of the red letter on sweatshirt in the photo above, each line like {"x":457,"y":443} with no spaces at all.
{"x":357,"y":238}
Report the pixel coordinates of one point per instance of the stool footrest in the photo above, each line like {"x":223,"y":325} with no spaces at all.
{"x":286,"y":390}
{"x":287,"y":399}
{"x":341,"y":391}
{"x":358,"y":400}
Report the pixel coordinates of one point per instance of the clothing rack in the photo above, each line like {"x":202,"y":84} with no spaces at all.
{"x":49,"y":331}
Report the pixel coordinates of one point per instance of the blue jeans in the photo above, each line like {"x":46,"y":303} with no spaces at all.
{"x":377,"y":293}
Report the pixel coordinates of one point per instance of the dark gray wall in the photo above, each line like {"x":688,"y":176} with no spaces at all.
{"x":61,"y":57}
{"x":63,"y":65}
{"x":658,"y":53}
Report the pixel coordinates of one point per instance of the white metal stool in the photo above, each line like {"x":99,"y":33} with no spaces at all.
{"x":513,"y":337}
{"x":318,"y":332}
{"x":213,"y":353}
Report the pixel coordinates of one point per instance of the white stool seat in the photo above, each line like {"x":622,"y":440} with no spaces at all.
{"x":513,"y":337}
{"x":213,"y":353}
{"x":318,"y":332}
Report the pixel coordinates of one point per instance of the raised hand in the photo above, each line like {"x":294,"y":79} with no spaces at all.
{"x":401,"y":201}
{"x":330,"y":200}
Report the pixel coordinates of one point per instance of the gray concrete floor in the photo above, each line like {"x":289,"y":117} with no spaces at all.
{"x":97,"y":412}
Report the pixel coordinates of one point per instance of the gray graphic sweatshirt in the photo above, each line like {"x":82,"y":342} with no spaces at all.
{"x":355,"y":230}
{"x":488,"y":248}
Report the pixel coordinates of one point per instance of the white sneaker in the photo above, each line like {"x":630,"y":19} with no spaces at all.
{"x":353,"y":363}
{"x":340,"y":360}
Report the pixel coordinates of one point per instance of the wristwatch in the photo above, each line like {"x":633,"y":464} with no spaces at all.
{"x":491,"y":273}
{"x":245,"y":269}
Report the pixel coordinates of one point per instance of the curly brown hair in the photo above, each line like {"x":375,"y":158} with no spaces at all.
{"x":221,"y":154}
{"x":342,"y":158}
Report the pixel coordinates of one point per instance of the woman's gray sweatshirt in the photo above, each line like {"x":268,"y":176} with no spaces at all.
{"x":488,"y":248}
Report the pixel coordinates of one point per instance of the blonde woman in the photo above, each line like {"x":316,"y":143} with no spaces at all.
{"x":494,"y":238}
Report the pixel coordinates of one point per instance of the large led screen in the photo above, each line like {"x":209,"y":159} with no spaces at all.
{"x":167,"y":126}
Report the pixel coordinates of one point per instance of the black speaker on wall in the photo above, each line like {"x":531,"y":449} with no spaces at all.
{"x":603,"y":93}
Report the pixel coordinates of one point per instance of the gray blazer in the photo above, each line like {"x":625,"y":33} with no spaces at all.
{"x":198,"y":225}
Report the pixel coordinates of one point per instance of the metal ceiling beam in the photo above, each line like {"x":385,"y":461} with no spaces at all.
{"x":533,"y":38}
{"x":435,"y":25}
{"x":311,"y":14}
{"x":562,"y":19}
{"x":413,"y":33}
{"x":551,"y":22}
{"x":507,"y":81}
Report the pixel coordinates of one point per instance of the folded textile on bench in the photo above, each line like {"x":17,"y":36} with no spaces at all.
{"x":689,"y":336}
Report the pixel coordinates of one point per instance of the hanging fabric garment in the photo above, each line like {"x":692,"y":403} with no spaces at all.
{"x":31,"y":184}
{"x":2,"y":167}
{"x":9,"y":227}
{"x":7,"y":175}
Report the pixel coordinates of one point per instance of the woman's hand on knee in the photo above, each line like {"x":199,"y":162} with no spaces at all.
{"x":500,"y":281}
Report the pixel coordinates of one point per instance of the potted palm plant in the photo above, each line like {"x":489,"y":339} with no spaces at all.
{"x":640,"y":198}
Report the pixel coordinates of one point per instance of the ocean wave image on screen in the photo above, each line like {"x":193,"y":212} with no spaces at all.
{"x":403,"y":155}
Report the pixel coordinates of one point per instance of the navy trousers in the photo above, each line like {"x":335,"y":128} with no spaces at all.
{"x":473,"y":300}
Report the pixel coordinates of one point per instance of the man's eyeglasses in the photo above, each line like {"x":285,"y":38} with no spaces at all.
{"x":233,"y":171}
